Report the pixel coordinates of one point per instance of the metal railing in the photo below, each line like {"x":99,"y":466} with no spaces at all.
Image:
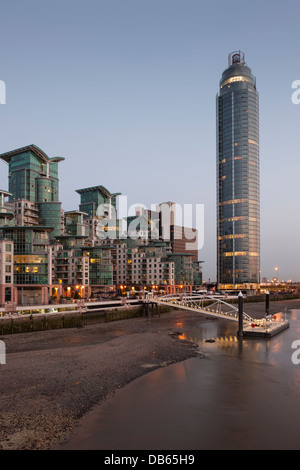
{"x":207,"y":304}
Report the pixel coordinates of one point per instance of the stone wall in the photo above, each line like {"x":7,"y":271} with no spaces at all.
{"x":75,"y":319}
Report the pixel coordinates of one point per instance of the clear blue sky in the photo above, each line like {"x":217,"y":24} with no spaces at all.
{"x":125,"y":90}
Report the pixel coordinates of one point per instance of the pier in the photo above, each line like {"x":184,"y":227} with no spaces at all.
{"x":210,"y":305}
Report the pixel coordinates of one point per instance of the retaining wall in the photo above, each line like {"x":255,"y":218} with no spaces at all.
{"x":75,"y":319}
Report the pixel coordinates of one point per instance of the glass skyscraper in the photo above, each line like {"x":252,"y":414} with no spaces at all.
{"x":238,"y":192}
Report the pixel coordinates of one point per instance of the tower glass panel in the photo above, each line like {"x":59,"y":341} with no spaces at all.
{"x":238,"y":192}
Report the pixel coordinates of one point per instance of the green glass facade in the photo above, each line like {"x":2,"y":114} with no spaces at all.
{"x":24,"y":168}
{"x":100,"y":267}
{"x":95,"y":201}
{"x":31,"y":258}
{"x":74,"y":225}
{"x":33,"y":176}
{"x":183,"y":264}
{"x":50,"y":216}
{"x":27,"y":175}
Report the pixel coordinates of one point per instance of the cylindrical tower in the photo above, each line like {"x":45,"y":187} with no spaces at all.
{"x":238,"y":192}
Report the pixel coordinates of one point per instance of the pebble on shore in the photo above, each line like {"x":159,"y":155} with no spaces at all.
{"x":52,"y":378}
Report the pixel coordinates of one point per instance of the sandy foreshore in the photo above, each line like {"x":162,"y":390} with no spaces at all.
{"x":52,"y":378}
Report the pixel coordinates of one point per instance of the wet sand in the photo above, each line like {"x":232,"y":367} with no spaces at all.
{"x":52,"y":378}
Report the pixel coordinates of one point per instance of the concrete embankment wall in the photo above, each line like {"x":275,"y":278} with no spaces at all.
{"x":74,"y":319}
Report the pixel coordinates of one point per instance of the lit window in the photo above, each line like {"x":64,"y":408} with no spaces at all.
{"x":253,"y":142}
{"x":236,"y":79}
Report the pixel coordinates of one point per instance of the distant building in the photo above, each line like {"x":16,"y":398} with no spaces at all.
{"x":183,"y":239}
{"x":158,"y":233}
{"x":97,"y":203}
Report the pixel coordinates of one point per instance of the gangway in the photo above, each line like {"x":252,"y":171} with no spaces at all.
{"x":220,"y":308}
{"x":205,"y":304}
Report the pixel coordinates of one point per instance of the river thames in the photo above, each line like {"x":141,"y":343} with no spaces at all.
{"x":236,"y":395}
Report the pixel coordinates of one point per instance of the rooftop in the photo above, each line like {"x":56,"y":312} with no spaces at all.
{"x":75,"y":212}
{"x":26,"y":227}
{"x":97,"y":188}
{"x":5,"y":193}
{"x":30,"y":148}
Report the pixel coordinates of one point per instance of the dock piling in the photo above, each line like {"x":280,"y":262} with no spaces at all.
{"x":241,"y":314}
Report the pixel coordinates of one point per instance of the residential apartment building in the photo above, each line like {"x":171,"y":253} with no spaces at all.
{"x":32,"y":264}
{"x":25,"y":212}
{"x":7,"y":291}
{"x":183,"y":239}
{"x":140,"y":264}
{"x":238,"y":178}
{"x":47,"y":253}
{"x":97,"y":203}
{"x":33,"y":178}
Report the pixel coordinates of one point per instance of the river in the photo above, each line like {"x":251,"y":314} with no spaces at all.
{"x":239,"y":395}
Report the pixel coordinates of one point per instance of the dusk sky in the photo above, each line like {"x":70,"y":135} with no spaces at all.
{"x":125,"y":90}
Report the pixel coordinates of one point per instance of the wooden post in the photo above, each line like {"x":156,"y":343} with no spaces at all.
{"x":267,"y":302}
{"x":157,"y":309}
{"x":241,"y":319}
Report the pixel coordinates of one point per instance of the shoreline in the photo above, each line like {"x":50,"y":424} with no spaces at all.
{"x":53,"y":378}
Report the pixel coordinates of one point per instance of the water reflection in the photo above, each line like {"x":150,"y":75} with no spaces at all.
{"x":215,"y":337}
{"x":245,"y":394}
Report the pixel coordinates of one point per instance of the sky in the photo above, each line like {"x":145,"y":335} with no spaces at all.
{"x":126,"y":90}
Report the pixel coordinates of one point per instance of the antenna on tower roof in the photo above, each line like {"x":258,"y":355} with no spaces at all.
{"x":236,"y":57}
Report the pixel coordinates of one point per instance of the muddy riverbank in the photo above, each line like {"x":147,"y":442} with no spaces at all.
{"x":52,"y":378}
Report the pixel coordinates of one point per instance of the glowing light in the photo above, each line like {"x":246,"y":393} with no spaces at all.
{"x":236,"y":79}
